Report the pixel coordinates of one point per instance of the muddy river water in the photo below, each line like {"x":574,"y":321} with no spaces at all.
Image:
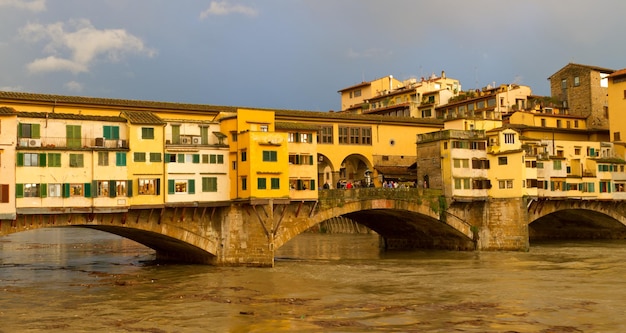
{"x":79,"y":280}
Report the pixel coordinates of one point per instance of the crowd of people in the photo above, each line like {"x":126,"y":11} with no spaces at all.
{"x":358,"y":184}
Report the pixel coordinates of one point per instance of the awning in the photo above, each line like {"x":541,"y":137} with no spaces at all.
{"x":393,"y":171}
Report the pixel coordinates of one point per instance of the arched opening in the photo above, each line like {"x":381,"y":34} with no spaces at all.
{"x":354,"y":171}
{"x":571,"y":224}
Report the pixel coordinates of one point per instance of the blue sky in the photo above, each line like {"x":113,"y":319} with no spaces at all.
{"x":294,"y":54}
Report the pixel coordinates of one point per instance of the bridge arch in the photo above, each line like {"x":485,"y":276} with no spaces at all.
{"x":576,"y":219}
{"x":402,"y":221}
{"x":174,"y":236}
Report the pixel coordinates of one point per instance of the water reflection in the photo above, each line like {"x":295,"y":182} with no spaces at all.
{"x":73,"y":280}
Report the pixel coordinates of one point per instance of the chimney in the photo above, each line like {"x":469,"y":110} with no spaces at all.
{"x":443,"y":74}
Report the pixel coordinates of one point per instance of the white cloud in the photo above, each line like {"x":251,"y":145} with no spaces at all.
{"x":76,"y":50}
{"x":74,"y":86}
{"x":11,"y":88}
{"x":35,"y":5}
{"x":54,"y":64}
{"x":225,"y":8}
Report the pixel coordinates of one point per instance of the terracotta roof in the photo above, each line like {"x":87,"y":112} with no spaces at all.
{"x":7,"y":111}
{"x":109,"y":102}
{"x":55,"y":115}
{"x":618,"y":73}
{"x":593,"y":68}
{"x":142,"y":118}
{"x":295,"y":126}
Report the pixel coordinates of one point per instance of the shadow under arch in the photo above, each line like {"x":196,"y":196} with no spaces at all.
{"x":407,"y":230}
{"x":576,"y":223}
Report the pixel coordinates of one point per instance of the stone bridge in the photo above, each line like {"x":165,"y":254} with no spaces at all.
{"x":247,"y":233}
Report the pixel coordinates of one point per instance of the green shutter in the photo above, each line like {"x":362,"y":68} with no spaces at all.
{"x":310,"y":159}
{"x":220,"y":159}
{"x":158,"y":186}
{"x":42,"y":159}
{"x":19,"y":190}
{"x":129,"y":188}
{"x":112,"y":189}
{"x":106,"y":132}
{"x":20,"y":159}
{"x":115,"y":132}
{"x":180,"y":158}
{"x":204,"y":135}
{"x":196,"y":158}
{"x":95,"y":187}
{"x":87,"y":190}
{"x":34,"y":131}
{"x":176,"y":134}
{"x":66,"y":190}
{"x":43,"y":189}
{"x":312,"y":187}
{"x":166,"y":157}
{"x":191,"y":187}
{"x":19,"y":130}
{"x":171,"y":186}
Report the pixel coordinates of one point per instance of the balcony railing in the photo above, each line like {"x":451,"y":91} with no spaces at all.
{"x":65,"y":143}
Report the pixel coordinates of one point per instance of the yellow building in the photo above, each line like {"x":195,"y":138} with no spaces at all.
{"x":354,"y":97}
{"x":145,"y":161}
{"x":489,"y":103}
{"x":303,"y":170}
{"x":8,"y":141}
{"x":617,"y":109}
{"x":259,"y":156}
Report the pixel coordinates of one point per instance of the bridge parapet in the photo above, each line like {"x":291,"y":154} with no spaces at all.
{"x":339,"y":197}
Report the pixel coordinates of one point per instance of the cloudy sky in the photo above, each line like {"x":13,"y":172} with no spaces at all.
{"x":294,"y":54}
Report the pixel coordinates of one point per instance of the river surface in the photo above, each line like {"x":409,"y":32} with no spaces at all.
{"x":80,"y":280}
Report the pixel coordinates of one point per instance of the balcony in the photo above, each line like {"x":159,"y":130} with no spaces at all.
{"x":65,"y":143}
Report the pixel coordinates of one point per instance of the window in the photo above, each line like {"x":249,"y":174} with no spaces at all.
{"x":28,"y":159}
{"x":270,"y":156}
{"x":576,"y":81}
{"x":543,"y":123}
{"x":120,"y":158}
{"x":120,"y":188}
{"x":275,"y":183}
{"x":30,"y":131}
{"x":4,"y":193}
{"x":291,"y":137}
{"x":102,"y":188}
{"x":111,"y":132}
{"x":605,"y":186}
{"x":31,"y":190}
{"x":75,"y":190}
{"x":263,"y":128}
{"x":503,"y":160}
{"x":233,"y":137}
{"x":304,"y":137}
{"x":209,"y":184}
{"x":558,"y":123}
{"x":244,"y":156}
{"x":505,"y":184}
{"x":355,"y":135}
{"x":509,"y":138}
{"x":72,"y":134}
{"x":617,"y":136}
{"x":139,"y":157}
{"x":556,"y":165}
{"x":244,"y":183}
{"x":103,"y":158}
{"x":54,"y":190}
{"x":76,"y":161}
{"x":357,"y":93}
{"x":325,"y":135}
{"x":262,"y":183}
{"x":176,"y":134}
{"x":147,"y":133}
{"x":564,"y":84}
{"x":148,"y":186}
{"x":214,"y":159}
{"x":155,"y":157}
{"x":181,"y":186}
